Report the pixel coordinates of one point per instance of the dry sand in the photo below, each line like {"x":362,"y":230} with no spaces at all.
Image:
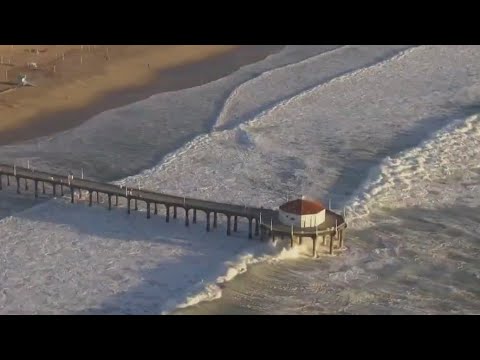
{"x":75,"y":82}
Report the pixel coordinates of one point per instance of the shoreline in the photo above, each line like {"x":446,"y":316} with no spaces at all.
{"x":171,"y":78}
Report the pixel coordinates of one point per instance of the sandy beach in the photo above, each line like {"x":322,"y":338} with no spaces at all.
{"x":71,"y":83}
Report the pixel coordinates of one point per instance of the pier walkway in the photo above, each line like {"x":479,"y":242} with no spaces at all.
{"x":267,"y":218}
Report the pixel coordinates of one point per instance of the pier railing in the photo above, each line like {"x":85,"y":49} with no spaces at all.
{"x":333,"y":223}
{"x":132,"y":193}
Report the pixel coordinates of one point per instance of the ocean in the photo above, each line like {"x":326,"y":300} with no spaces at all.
{"x":390,"y":133}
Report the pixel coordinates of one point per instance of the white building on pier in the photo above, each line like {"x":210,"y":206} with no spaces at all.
{"x":302,"y":213}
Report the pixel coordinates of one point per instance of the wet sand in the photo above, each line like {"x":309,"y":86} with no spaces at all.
{"x":59,"y":104}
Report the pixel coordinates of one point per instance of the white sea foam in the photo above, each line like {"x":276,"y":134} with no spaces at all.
{"x":338,"y":116}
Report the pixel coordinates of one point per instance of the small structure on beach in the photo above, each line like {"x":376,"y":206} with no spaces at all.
{"x":22,"y":80}
{"x":301,"y":218}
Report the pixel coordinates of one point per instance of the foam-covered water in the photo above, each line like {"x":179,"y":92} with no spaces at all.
{"x":390,"y":132}
{"x":413,"y":245}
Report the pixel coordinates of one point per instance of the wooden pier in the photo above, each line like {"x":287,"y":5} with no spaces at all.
{"x":259,"y":219}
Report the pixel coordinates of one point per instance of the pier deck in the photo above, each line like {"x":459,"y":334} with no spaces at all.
{"x":264,"y":218}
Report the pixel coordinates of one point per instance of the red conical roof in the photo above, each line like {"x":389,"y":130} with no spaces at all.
{"x":302,"y":207}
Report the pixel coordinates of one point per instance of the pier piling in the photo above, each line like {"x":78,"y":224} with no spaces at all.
{"x":275,"y":228}
{"x":250,"y":228}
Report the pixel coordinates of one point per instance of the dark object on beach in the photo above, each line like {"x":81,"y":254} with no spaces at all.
{"x":36,"y":51}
